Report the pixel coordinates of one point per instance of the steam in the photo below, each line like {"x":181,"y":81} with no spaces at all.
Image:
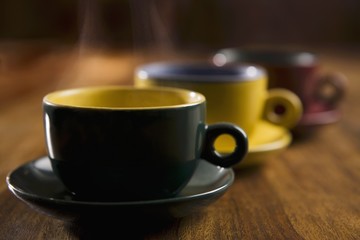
{"x":152,"y":26}
{"x":91,"y":30}
{"x":152,"y":22}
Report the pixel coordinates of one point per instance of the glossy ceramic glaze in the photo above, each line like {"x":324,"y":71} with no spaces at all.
{"x":234,"y":93}
{"x":36,"y":184}
{"x":131,"y":143}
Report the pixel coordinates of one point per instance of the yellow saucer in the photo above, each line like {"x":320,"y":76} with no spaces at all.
{"x":266,"y":140}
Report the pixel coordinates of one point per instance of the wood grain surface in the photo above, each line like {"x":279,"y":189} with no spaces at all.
{"x":309,"y":191}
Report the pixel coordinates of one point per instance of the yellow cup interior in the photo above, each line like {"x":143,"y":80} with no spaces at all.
{"x":124,"y":97}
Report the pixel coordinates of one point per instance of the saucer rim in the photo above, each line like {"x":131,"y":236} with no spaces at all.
{"x":312,"y":119}
{"x":23,"y":195}
{"x":281,"y":142}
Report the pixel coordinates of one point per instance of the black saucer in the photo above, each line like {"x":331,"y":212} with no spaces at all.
{"x":36,"y":184}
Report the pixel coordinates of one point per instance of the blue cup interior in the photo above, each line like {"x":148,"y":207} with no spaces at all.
{"x":199,"y":71}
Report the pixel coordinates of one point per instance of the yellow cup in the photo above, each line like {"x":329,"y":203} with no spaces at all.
{"x":234,"y":93}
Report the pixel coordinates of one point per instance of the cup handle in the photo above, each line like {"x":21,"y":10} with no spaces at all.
{"x":331,"y":88}
{"x":283,"y":107}
{"x":209,"y":152}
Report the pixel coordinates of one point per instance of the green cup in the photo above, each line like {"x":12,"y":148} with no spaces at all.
{"x":111,"y":143}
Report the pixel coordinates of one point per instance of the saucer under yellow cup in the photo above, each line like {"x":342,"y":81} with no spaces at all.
{"x":266,"y":141}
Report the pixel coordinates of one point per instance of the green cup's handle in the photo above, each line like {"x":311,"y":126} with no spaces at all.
{"x":209,"y":152}
{"x":283,"y":108}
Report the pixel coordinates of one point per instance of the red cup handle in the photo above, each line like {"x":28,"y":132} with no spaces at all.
{"x":331,"y":88}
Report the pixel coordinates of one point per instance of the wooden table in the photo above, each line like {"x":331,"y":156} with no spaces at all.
{"x":309,"y":191}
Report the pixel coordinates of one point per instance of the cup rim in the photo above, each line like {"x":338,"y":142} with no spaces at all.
{"x":269,"y":56}
{"x":197,"y":98}
{"x":199,"y":72}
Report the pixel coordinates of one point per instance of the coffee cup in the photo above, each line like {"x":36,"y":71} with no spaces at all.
{"x":234,"y":93}
{"x":297,"y":71}
{"x":111,"y":143}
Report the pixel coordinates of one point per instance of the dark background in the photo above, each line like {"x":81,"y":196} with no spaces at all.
{"x":197,"y":24}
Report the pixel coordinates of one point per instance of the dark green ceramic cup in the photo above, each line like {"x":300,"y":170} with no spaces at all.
{"x":112,"y":143}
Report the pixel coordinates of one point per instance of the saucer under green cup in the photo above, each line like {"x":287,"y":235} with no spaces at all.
{"x":130,"y":142}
